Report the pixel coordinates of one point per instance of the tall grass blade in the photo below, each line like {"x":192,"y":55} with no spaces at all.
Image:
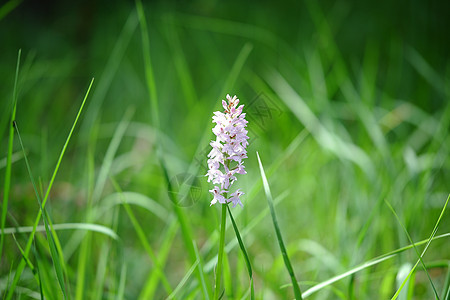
{"x":183,"y":280}
{"x":287,"y":262}
{"x":217,"y":282}
{"x":21,"y":266}
{"x":415,"y":248}
{"x":366,"y":265}
{"x":36,"y":255}
{"x":58,"y":263}
{"x":7,"y":184}
{"x":433,"y":233}
{"x":244,"y":252}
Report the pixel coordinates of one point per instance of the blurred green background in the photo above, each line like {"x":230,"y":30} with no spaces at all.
{"x":348,"y":107}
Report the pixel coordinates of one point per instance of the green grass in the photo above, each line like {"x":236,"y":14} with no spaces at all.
{"x":351,"y":120}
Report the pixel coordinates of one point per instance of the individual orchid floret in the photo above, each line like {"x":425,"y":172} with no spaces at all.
{"x":228,"y":151}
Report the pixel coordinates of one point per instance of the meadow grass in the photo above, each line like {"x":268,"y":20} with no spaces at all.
{"x":350,"y":203}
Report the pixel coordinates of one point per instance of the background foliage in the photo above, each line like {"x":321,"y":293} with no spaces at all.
{"x":347,"y":105}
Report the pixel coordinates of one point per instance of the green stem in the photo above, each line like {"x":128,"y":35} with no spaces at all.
{"x":221,"y":246}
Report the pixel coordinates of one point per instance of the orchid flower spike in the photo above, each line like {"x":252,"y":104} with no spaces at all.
{"x":228,"y":151}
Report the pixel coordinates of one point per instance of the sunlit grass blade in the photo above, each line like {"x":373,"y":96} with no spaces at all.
{"x":66,"y":226}
{"x":415,"y":248}
{"x":145,"y":243}
{"x":7,"y":182}
{"x":183,"y":280}
{"x":287,"y":262}
{"x":433,"y":233}
{"x":21,"y":266}
{"x":244,"y":252}
{"x":56,"y":255}
{"x":366,"y":265}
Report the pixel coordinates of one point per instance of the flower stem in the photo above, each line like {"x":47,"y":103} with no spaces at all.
{"x":221,"y":246}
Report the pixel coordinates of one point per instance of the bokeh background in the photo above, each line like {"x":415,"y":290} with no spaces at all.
{"x":348,"y":107}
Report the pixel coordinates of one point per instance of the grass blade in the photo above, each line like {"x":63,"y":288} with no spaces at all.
{"x":21,"y":266}
{"x":366,"y":265}
{"x":183,"y":280}
{"x":66,"y":226}
{"x":415,"y":248}
{"x":244,"y":252}
{"x":433,"y":233}
{"x":220,"y":256}
{"x":287,"y":262}
{"x":56,"y":256}
{"x":7,"y":184}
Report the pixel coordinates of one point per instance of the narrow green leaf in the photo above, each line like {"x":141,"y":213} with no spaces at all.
{"x":183,"y":280}
{"x":217,"y":282}
{"x":36,"y":255}
{"x":57,"y":262}
{"x":244,"y":252}
{"x":21,"y":266}
{"x":7,"y":184}
{"x":66,"y":226}
{"x":287,"y":262}
{"x":415,"y":248}
{"x":365,"y":265}
{"x":433,"y":233}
